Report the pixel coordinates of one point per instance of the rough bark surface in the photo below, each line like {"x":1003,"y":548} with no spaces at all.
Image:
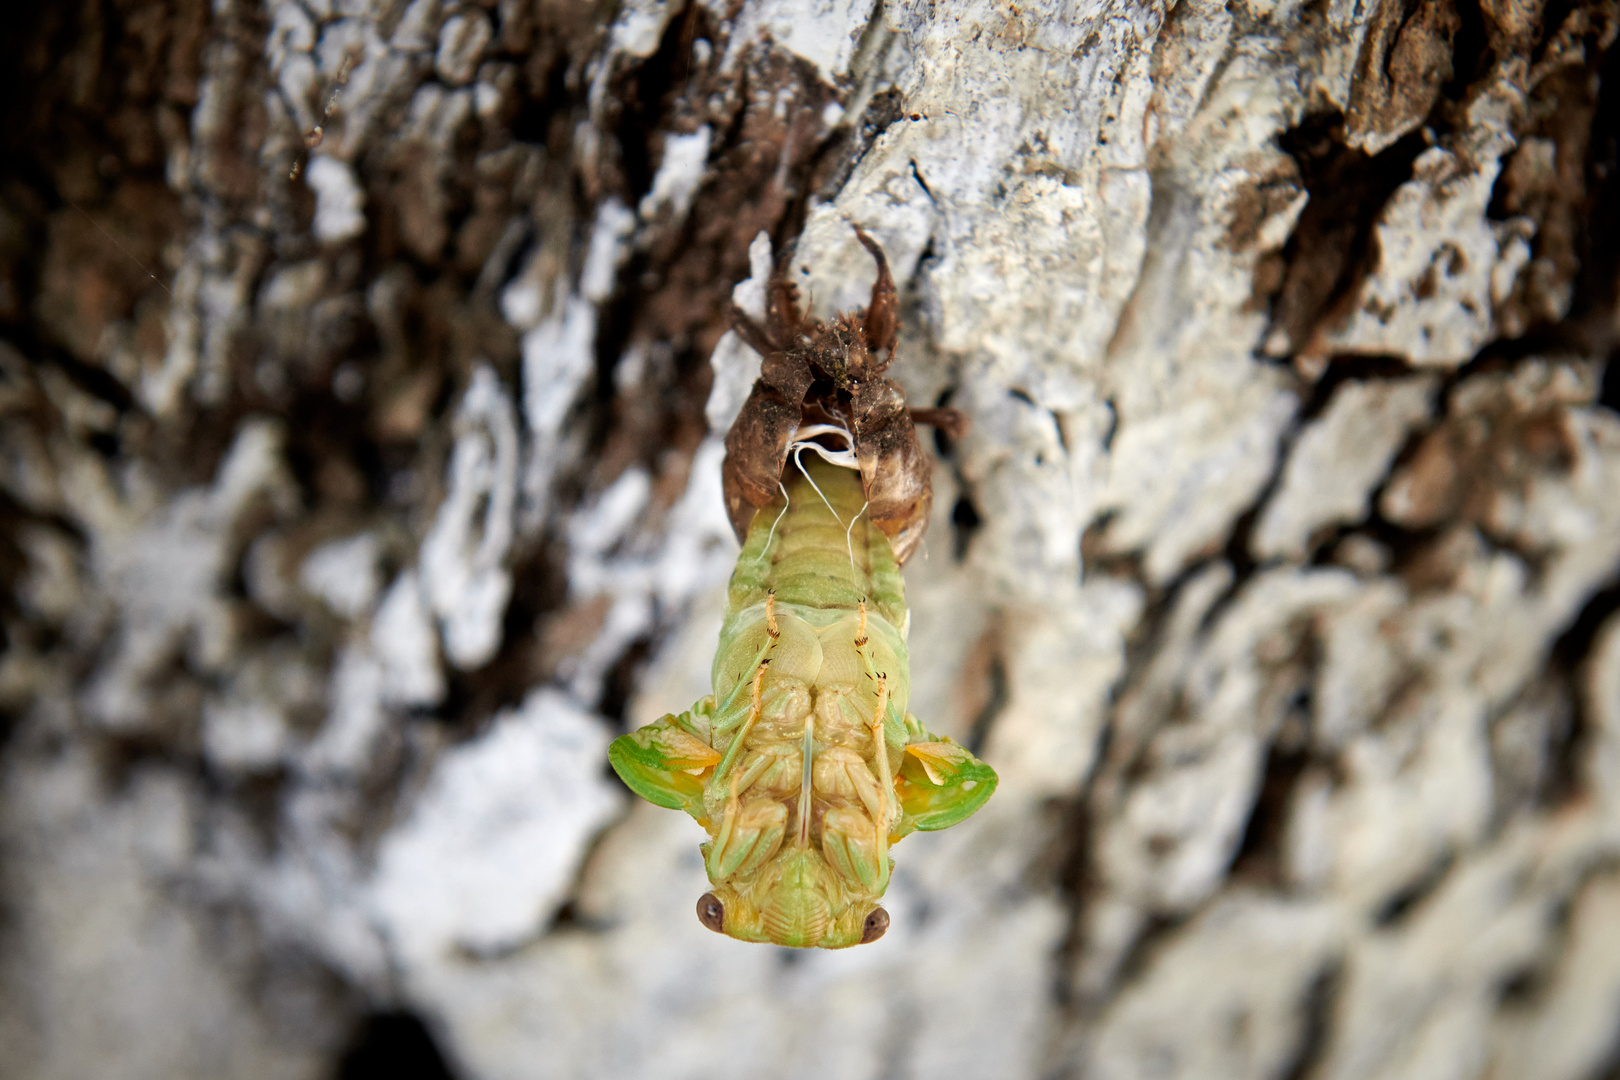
{"x":364,"y":370}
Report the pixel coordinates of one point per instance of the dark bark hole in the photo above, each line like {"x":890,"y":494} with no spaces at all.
{"x":1317,"y":1023}
{"x":1331,"y":247}
{"x":1598,"y":243}
{"x":1610,"y":394}
{"x":1406,"y":900}
{"x":505,"y":680}
{"x":944,"y":445}
{"x":885,"y":107}
{"x":1552,"y":18}
{"x":548,"y":93}
{"x":646,"y":92}
{"x":1471,"y":54}
{"x":93,"y":380}
{"x":1522,"y":988}
{"x":621,"y":681}
{"x":1570,"y":650}
{"x":1261,"y":852}
{"x":330,"y":451}
{"x":1566,"y":752}
{"x":393,"y":1046}
{"x":1343,"y":369}
{"x":965,"y":521}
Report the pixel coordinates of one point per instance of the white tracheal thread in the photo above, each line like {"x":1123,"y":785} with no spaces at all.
{"x":850,"y":545}
{"x":844,"y":459}
{"x":766,"y":550}
{"x":804,"y":438}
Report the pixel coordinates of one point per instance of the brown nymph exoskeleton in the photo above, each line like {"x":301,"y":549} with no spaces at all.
{"x":820,"y":376}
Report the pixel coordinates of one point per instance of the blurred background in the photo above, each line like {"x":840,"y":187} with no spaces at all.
{"x":364,"y":366}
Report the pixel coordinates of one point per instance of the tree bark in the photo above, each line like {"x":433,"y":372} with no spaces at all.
{"x":366,"y":366}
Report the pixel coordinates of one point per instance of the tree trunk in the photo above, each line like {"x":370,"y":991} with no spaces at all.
{"x":365,"y":370}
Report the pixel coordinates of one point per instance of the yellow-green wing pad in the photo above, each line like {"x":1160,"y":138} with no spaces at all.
{"x":940,"y":784}
{"x":666,"y":763}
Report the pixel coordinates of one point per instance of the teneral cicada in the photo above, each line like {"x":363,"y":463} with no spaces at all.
{"x":804,"y":765}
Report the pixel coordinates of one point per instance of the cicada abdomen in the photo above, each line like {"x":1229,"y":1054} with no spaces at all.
{"x":804,"y":765}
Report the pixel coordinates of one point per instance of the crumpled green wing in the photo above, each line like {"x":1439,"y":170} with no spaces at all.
{"x":667,"y":762}
{"x":940,"y":783}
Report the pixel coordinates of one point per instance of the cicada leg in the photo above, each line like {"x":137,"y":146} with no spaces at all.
{"x":856,"y":848}
{"x":880,"y":744}
{"x":749,"y":834}
{"x":855,"y":840}
{"x":883,"y":310}
{"x":726,"y":716}
{"x":755,"y":707}
{"x":755,"y":824}
{"x":879,"y":727}
{"x":754,"y":336}
{"x":841,"y":774}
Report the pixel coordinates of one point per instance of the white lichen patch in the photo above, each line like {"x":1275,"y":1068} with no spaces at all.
{"x":1338,"y":459}
{"x":1170,"y":841}
{"x":405,"y":645}
{"x":734,"y":364}
{"x":490,"y":848}
{"x":612,"y":228}
{"x":1180,"y":478}
{"x":165,"y":569}
{"x":558,"y":360}
{"x":462,"y":41}
{"x":639,"y":26}
{"x":824,"y":32}
{"x":679,"y":174}
{"x":103,"y":956}
{"x":1063,"y":667}
{"x":344,"y":573}
{"x":339,"y":201}
{"x":1567,"y":1034}
{"x":250,"y":726}
{"x":1440,"y":268}
{"x":463,"y":565}
{"x":1168,"y":1024}
{"x":1417,"y":996}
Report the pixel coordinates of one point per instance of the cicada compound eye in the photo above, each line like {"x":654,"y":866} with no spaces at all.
{"x":712,"y":913}
{"x":877,"y":924}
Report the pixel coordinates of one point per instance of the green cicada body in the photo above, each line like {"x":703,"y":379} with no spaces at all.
{"x":804,"y":765}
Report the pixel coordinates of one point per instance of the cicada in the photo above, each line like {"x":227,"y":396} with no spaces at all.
{"x":804,"y":765}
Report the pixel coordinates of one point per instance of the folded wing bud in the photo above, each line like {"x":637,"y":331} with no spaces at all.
{"x":940,"y":784}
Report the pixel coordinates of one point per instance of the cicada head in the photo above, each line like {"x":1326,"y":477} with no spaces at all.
{"x":840,"y":353}
{"x":798,"y":902}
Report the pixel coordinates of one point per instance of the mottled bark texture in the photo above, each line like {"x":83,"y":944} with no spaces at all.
{"x":358,"y":486}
